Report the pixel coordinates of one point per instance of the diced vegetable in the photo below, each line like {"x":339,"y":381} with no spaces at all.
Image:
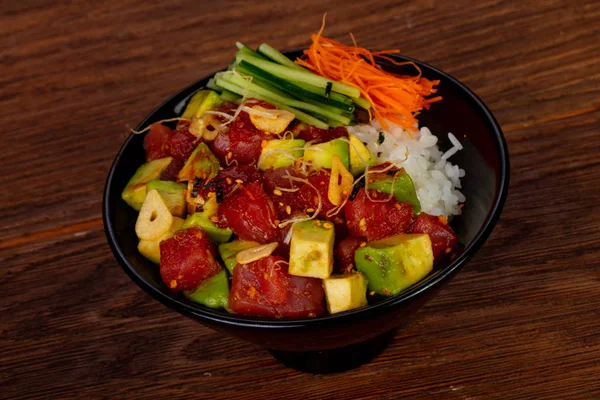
{"x":201,"y":164}
{"x":401,"y":184}
{"x":202,"y":220}
{"x":393,"y":264}
{"x":229,"y":250}
{"x":322,"y":154}
{"x":279,"y":153}
{"x":345,"y":292}
{"x":311,"y":249}
{"x":135,"y":190}
{"x":173,"y":195}
{"x":360,"y":156}
{"x":212,"y":293}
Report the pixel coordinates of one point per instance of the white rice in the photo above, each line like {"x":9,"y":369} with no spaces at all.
{"x":436,"y":179}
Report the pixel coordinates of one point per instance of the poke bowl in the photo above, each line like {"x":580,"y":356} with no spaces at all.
{"x":335,"y":334}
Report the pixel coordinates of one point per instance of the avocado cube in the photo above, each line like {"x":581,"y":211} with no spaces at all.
{"x":210,"y":102}
{"x":404,"y":188}
{"x":345,"y":292}
{"x":359,"y":156}
{"x":172,"y":193}
{"x":311,"y":249}
{"x":202,"y":163}
{"x":396,"y":262}
{"x":135,"y":190}
{"x":213,"y":292}
{"x":322,"y":154}
{"x":229,"y":250}
{"x":279,"y":153}
{"x":151,"y":248}
{"x":201,"y":101}
{"x":202,"y":220}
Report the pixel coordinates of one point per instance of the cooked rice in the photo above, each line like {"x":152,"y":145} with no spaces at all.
{"x":436,"y":179}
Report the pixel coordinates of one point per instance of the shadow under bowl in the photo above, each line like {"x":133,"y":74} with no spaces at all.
{"x":312,"y":344}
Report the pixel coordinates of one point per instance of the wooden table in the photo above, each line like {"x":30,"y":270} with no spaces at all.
{"x":522,"y":321}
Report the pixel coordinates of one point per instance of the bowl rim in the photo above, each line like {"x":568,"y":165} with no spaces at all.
{"x":432,"y":280}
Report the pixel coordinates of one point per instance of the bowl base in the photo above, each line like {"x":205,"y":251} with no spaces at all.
{"x":335,"y":360}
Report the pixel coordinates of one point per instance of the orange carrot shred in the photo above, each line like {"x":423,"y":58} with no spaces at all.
{"x":393,"y":97}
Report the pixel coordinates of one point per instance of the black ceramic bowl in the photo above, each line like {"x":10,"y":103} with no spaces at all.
{"x":485,"y":159}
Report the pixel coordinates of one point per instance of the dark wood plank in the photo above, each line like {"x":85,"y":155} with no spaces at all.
{"x":522,"y":319}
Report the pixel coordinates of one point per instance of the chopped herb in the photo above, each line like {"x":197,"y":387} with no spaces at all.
{"x":196,"y":187}
{"x":219,"y":194}
{"x":357,"y":186}
{"x":328,"y":91}
{"x":210,"y":184}
{"x":381,"y":138}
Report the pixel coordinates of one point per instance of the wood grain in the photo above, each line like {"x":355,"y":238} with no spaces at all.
{"x":522,"y":321}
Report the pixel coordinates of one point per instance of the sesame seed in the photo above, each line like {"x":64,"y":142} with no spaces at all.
{"x":239,"y":181}
{"x":277,"y":192}
{"x":327,"y":225}
{"x":288,"y":209}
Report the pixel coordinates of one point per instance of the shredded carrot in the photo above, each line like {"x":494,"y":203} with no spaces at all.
{"x":393,"y":97}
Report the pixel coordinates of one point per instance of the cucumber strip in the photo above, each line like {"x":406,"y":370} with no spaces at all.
{"x":276,"y":56}
{"x":301,"y":116}
{"x":297,"y":75}
{"x":212,"y":85}
{"x":226,"y":95}
{"x":267,"y":85}
{"x":296,"y":90}
{"x":249,"y":51}
{"x":238,"y":80}
{"x":320,"y":91}
{"x":362,"y":103}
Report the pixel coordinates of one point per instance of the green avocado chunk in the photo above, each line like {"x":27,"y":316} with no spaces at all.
{"x":202,"y":163}
{"x":279,"y":153}
{"x":202,"y":220}
{"x":322,"y":154}
{"x":229,"y":250}
{"x":311,"y":249}
{"x":359,"y":156}
{"x":134,"y":193}
{"x":172,"y":193}
{"x":213,"y":292}
{"x":404,"y":188}
{"x":201,"y":101}
{"x":395,"y":263}
{"x":345,"y":292}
